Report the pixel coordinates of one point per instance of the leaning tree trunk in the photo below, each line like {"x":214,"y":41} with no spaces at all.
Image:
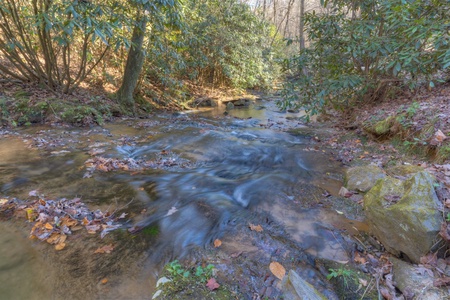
{"x":133,"y":67}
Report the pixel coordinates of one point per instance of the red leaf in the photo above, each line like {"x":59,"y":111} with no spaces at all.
{"x":212,"y":284}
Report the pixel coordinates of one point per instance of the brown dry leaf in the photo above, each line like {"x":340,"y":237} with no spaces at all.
{"x":59,"y":247}
{"x":362,"y":282}
{"x":257,"y":228}
{"x":104,"y":281}
{"x":447,"y":203}
{"x":48,"y":226}
{"x":102,"y":167}
{"x":69,"y":222}
{"x":277,"y":269}
{"x":85,"y":221}
{"x":212,"y":284}
{"x":359,"y":259}
{"x":105,"y":249}
{"x":57,"y":238}
{"x":445,"y":231}
{"x":236,"y":254}
{"x":217,"y":243}
{"x":442,"y":281}
{"x":438,"y":138}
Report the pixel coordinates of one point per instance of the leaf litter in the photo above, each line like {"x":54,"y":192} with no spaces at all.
{"x":55,"y":220}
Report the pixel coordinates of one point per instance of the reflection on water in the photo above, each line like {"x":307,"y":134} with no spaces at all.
{"x":237,"y":167}
{"x":23,"y":273}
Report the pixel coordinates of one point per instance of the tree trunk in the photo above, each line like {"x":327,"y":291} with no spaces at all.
{"x":133,"y":67}
{"x":302,"y":25}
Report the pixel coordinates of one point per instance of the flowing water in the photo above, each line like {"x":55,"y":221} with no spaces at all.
{"x":209,"y":171}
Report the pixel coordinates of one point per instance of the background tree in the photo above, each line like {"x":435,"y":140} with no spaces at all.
{"x":364,"y":51}
{"x":146,"y":11}
{"x":56,"y":43}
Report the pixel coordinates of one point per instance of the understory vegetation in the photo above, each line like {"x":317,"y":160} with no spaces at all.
{"x":368,"y":51}
{"x":157,"y":51}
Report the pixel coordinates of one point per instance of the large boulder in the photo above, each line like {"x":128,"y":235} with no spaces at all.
{"x":363,"y":178}
{"x":404,"y":215}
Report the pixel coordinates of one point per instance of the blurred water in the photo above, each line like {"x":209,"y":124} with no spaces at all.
{"x":214,"y":170}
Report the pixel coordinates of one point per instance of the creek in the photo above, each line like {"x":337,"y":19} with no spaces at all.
{"x":209,"y":173}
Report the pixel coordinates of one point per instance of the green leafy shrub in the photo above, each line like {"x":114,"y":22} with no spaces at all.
{"x":366,"y":51}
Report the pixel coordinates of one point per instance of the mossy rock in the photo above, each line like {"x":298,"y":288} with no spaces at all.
{"x":404,"y":215}
{"x":404,"y":170}
{"x":363,"y":178}
{"x":383,"y":128}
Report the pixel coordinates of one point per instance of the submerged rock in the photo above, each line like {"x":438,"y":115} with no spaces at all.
{"x":363,"y":178}
{"x":404,"y":215}
{"x":295,"y":288}
{"x":413,"y":283}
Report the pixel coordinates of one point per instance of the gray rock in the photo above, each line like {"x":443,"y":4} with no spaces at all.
{"x":295,"y":288}
{"x":409,"y":281}
{"x":404,"y":215}
{"x":363,"y":178}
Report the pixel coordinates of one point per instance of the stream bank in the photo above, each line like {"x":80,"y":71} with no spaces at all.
{"x":184,"y":181}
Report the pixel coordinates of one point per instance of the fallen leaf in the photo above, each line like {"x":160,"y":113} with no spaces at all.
{"x":217,"y":243}
{"x":59,"y":247}
{"x":104,"y":281}
{"x":92,"y":228}
{"x":359,"y":258}
{"x":85,"y":221}
{"x":422,"y":270}
{"x":57,"y":238}
{"x":48,"y":226}
{"x":343,"y":192}
{"x":234,"y":255}
{"x":212,"y":284}
{"x":362,"y":282}
{"x":33,"y":193}
{"x":257,"y":228}
{"x":105,"y":249}
{"x":447,"y":203}
{"x":277,"y":269}
{"x":172,"y":211}
{"x":442,"y":281}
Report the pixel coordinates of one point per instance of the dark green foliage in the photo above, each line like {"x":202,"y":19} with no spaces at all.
{"x":367,"y":51}
{"x":219,"y":44}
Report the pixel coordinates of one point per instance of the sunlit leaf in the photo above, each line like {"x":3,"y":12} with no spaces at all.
{"x":277,"y":270}
{"x":257,"y":228}
{"x":105,"y":249}
{"x":60,"y":246}
{"x":217,"y":243}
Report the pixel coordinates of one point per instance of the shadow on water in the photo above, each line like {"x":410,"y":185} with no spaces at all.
{"x":234,"y":168}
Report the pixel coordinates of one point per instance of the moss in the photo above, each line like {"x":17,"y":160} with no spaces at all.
{"x":443,"y":153}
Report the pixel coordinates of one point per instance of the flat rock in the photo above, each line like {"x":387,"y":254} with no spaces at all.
{"x":363,"y":178}
{"x":409,"y":281}
{"x":296,"y":288}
